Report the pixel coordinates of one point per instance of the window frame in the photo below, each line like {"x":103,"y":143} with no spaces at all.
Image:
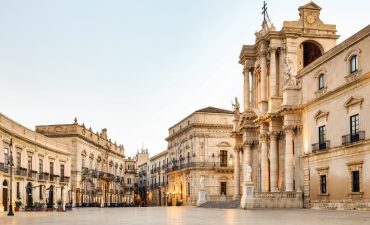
{"x":321,"y":81}
{"x":323,"y":184}
{"x":353,"y":64}
{"x":355,"y":182}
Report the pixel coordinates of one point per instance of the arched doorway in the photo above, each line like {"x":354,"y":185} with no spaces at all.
{"x":51,"y":197}
{"x":29,"y":195}
{"x":5,"y":195}
{"x":311,"y":51}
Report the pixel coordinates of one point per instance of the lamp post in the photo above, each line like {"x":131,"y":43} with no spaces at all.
{"x":10,"y":162}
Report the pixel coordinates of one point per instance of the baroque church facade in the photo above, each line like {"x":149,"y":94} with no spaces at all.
{"x":303,"y":127}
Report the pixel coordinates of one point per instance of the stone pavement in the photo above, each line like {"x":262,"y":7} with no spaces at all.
{"x":186,"y":216}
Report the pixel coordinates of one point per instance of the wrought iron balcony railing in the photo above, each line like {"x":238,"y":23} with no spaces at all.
{"x":64,"y":179}
{"x":323,"y":146}
{"x":211,"y":165}
{"x":352,"y":138}
{"x":43,"y":176}
{"x":31,"y":174}
{"x":4,"y":168}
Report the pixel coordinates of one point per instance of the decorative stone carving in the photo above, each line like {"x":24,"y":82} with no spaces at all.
{"x":236,"y":106}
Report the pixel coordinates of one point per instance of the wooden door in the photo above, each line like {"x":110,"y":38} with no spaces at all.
{"x":5,"y":199}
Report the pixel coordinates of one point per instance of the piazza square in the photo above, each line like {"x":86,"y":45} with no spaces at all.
{"x":292,"y":147}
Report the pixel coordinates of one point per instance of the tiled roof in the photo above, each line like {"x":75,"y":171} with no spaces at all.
{"x":211,"y":109}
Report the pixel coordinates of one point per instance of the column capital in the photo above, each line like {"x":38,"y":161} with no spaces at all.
{"x":264,"y":137}
{"x":249,"y":143}
{"x":289,"y":129}
{"x":274,"y":134}
{"x":238,"y":148}
{"x":272,"y":49}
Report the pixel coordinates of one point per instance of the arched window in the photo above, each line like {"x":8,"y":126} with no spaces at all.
{"x":353,"y":64}
{"x":321,"y":81}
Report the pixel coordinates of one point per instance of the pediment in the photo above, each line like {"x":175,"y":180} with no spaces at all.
{"x":353,"y":101}
{"x":321,"y":114}
{"x":224,"y":144}
{"x":310,"y":5}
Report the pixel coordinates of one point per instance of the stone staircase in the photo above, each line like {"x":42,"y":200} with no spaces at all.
{"x":221,"y":204}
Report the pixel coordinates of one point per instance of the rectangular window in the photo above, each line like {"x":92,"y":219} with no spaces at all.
{"x":18,"y":191}
{"x":51,"y":168}
{"x":223,"y":158}
{"x":19,"y":159}
{"x":322,"y":137}
{"x":321,"y":81}
{"x":6,"y":157}
{"x":223,"y":188}
{"x":355,"y":127}
{"x":354,"y":63}
{"x":29,"y":161}
{"x":61,"y":170}
{"x":323,"y":184}
{"x":41,"y":166}
{"x":355,"y":181}
{"x":40,"y":192}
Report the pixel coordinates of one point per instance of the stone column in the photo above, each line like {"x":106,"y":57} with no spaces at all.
{"x":253,"y":99}
{"x":246,"y":88}
{"x":263,"y":82}
{"x":264,"y":164}
{"x":273,"y":80}
{"x":247,"y":196}
{"x":289,"y":159}
{"x":273,"y":162}
{"x":236,"y":174}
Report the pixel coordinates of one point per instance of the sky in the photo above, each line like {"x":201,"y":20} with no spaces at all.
{"x":135,"y":67}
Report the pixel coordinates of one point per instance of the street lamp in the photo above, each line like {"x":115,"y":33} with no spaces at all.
{"x":10,"y":162}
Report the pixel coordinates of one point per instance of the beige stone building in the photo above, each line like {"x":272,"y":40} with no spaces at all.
{"x":200,"y":145}
{"x":41,"y":171}
{"x":304,"y":125}
{"x":98,"y":165}
{"x":143,"y":174}
{"x":131,"y":182}
{"x":158,"y":180}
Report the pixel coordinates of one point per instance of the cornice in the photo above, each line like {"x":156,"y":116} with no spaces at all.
{"x":199,"y":125}
{"x":85,"y":139}
{"x":33,"y":142}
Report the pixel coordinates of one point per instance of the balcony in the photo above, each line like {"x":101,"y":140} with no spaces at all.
{"x":209,"y":165}
{"x":20,"y":171}
{"x":130,"y":171}
{"x":4,"y":168}
{"x":31,"y":174}
{"x":353,"y":138}
{"x":64,"y":179}
{"x":53,"y":177}
{"x":320,"y":147}
{"x":43,"y":176}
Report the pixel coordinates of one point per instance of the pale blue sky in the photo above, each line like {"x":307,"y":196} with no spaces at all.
{"x":134,"y":67}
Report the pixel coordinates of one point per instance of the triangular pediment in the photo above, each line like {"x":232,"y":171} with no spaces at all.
{"x":311,"y":5}
{"x":321,"y":114}
{"x":224,"y":144}
{"x":352,"y":101}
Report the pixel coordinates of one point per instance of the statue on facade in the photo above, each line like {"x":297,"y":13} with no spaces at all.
{"x":236,"y":106}
{"x":202,"y":186}
{"x":248,"y":173}
{"x":290,"y":77}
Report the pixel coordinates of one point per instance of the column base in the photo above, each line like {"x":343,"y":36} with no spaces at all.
{"x":247,"y":199}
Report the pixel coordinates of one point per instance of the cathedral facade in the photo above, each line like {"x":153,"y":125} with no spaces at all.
{"x":303,"y":129}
